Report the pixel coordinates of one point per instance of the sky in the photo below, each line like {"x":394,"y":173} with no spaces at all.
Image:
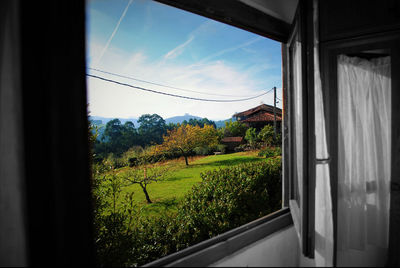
{"x":153,"y":42}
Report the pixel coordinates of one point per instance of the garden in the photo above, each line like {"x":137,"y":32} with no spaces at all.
{"x":151,"y":202}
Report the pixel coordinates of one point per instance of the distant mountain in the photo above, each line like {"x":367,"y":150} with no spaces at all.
{"x":181,"y":118}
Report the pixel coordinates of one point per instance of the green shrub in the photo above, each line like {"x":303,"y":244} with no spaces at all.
{"x":251,"y":136}
{"x":266,"y":135}
{"x":228,"y":198}
{"x":270,"y":152}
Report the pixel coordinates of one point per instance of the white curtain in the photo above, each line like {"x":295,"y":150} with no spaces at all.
{"x":364,"y":153}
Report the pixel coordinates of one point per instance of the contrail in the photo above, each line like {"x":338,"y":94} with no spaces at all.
{"x":115,"y":30}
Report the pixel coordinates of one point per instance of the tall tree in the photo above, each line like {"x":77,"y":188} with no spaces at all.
{"x":130,"y":135}
{"x":152,"y":128}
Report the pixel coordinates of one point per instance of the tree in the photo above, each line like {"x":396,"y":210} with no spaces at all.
{"x":267,"y":136}
{"x":251,"y":136}
{"x":144,"y":175}
{"x":112,"y":137}
{"x":118,"y":138}
{"x":130,"y":136}
{"x":199,"y":122}
{"x":234,"y":129}
{"x":185,"y":138}
{"x":152,"y":128}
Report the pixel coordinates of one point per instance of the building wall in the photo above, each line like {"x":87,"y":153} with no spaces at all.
{"x":278,"y":249}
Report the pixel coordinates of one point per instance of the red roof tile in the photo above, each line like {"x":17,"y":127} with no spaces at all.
{"x":264,"y":117}
{"x":263,"y":107}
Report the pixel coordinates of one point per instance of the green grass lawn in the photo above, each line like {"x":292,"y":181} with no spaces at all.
{"x":166,"y":194}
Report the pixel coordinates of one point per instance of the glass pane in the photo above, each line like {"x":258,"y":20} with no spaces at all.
{"x":297,"y":121}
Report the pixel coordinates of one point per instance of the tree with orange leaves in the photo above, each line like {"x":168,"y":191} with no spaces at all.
{"x":186,"y":137}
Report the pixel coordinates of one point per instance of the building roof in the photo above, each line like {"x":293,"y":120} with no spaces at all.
{"x":262,"y":117}
{"x":262,"y":107}
{"x":232,"y":139}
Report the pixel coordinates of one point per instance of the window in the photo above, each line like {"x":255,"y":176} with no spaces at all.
{"x":162,"y":84}
{"x":363,"y":172}
{"x":298,"y":133}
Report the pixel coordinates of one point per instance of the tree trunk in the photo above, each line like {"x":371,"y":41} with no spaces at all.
{"x":146,"y":194}
{"x":186,"y":160}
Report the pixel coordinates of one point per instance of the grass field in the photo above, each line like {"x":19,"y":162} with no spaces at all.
{"x":166,"y":194}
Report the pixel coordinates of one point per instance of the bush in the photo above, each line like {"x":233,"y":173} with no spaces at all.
{"x":228,"y":198}
{"x":251,"y":137}
{"x":270,"y":152}
{"x":267,"y":136}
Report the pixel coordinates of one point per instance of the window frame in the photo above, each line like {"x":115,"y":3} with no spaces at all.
{"x":303,"y":215}
{"x":330,"y":50}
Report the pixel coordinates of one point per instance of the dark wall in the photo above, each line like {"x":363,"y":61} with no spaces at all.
{"x":349,"y":18}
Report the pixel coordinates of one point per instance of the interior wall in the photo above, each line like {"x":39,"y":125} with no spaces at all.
{"x":12,"y":219}
{"x":280,"y":249}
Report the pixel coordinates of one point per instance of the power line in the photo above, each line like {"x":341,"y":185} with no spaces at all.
{"x":157,"y":84}
{"x":172,"y":95}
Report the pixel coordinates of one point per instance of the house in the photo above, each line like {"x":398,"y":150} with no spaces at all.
{"x":260,"y":116}
{"x":232,"y":142}
{"x":331,"y":135}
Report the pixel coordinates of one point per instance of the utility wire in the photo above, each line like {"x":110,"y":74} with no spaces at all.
{"x":156,"y":84}
{"x":173,"y":95}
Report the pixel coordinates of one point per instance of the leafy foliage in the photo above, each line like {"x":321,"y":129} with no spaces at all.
{"x":270,"y":152}
{"x":266,"y":135}
{"x":116,"y":139}
{"x":186,"y":138}
{"x":251,"y":136}
{"x":152,"y":128}
{"x":113,"y":221}
{"x":234,"y":129}
{"x":199,"y":122}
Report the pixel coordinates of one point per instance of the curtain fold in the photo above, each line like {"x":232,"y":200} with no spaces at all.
{"x":364,"y":152}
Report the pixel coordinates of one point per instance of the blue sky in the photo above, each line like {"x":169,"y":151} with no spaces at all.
{"x":157,"y":43}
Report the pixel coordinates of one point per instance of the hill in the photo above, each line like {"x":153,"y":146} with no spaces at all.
{"x":181,"y":118}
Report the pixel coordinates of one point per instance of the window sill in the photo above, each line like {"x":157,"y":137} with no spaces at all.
{"x":216,"y":248}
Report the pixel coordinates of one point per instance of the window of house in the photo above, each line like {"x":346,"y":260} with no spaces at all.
{"x":184,"y":146}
